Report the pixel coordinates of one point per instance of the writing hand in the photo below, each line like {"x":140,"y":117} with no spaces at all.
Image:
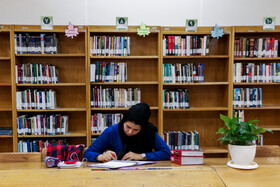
{"x":107,"y":156}
{"x":132,"y":156}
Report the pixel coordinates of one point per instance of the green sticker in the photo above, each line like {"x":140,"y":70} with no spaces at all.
{"x":143,"y":30}
{"x":122,"y":23}
{"x":191,"y":25}
{"x":269,"y":23}
{"x":46,"y":22}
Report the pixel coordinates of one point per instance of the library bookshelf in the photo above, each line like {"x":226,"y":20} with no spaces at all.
{"x":143,"y":69}
{"x":207,"y":99}
{"x":6,"y":87}
{"x":269,"y":112}
{"x":71,"y":62}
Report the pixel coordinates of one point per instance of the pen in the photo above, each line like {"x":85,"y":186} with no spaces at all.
{"x":101,"y":169}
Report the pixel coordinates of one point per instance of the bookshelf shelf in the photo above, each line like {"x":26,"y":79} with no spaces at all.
{"x":95,"y":134}
{"x":124,"y":57}
{"x":53,"y":110}
{"x":126,"y":83}
{"x":257,"y":84}
{"x":197,"y":109}
{"x":257,"y":59}
{"x":73,"y":134}
{"x":117,"y":109}
{"x":2,"y":109}
{"x":196,"y":84}
{"x":264,"y":107}
{"x":6,"y":136}
{"x":5,"y":58}
{"x":214,"y":150}
{"x":273,"y":128}
{"x":51,"y":85}
{"x":50,"y":55}
{"x":198,"y":57}
{"x":5,"y":84}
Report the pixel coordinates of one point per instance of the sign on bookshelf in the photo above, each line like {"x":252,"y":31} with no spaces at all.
{"x":46,"y":22}
{"x":269,"y":23}
{"x":122,"y":23}
{"x":191,"y":25}
{"x":143,"y":30}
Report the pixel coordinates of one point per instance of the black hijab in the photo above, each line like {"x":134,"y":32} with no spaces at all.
{"x":143,"y":141}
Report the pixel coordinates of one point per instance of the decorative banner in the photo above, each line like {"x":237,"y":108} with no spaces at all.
{"x":191,"y":25}
{"x":71,"y":31}
{"x":46,"y":22}
{"x":143,"y":30}
{"x":122,"y":23}
{"x":269,"y":23}
{"x":217,"y":32}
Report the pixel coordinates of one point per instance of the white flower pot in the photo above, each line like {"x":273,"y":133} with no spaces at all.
{"x":242,"y":154}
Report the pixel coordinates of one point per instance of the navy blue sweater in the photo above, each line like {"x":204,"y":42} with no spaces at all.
{"x":110,"y":139}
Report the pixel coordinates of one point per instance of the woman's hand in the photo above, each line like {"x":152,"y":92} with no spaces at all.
{"x":132,"y":156}
{"x":107,"y":156}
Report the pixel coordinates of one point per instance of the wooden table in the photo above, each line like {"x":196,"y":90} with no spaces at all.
{"x":213,"y":173}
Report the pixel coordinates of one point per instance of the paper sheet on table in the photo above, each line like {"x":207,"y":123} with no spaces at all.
{"x":114,"y":164}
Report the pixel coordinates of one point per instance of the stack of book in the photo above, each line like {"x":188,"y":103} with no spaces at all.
{"x":187,"y":157}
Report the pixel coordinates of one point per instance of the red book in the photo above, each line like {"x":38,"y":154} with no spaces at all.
{"x":186,"y":160}
{"x":185,"y":152}
{"x":173,"y":44}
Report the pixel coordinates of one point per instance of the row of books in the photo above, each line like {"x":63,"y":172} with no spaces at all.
{"x":240,"y":114}
{"x":256,"y":72}
{"x":110,"y":45}
{"x":35,"y":99}
{"x":42,"y":125}
{"x":183,"y":73}
{"x":6,"y":131}
{"x":247,"y":97}
{"x":37,"y":145}
{"x":108,"y":72}
{"x":176,"y":99}
{"x":182,"y":139}
{"x":186,"y":157}
{"x":99,"y":121}
{"x":114,"y":97}
{"x":36,"y":74}
{"x":256,"y":47}
{"x":186,"y":45}
{"x":36,"y":43}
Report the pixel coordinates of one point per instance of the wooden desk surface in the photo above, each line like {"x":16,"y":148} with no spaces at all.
{"x":213,"y":173}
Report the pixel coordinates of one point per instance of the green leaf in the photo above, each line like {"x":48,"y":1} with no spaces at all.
{"x":226,"y":119}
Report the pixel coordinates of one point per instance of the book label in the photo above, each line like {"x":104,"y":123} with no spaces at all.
{"x":269,"y":23}
{"x":191,"y":25}
{"x":122,"y":23}
{"x":46,"y":22}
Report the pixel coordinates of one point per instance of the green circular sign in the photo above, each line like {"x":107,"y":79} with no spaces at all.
{"x":191,"y":23}
{"x":121,"y":21}
{"x":268,"y":21}
{"x":46,"y":20}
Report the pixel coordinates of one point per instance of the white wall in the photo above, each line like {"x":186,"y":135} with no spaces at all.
{"x":151,"y":12}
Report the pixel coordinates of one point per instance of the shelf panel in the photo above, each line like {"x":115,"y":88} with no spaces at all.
{"x":5,"y":84}
{"x":75,"y":134}
{"x":6,"y":136}
{"x":256,"y":83}
{"x":50,"y":55}
{"x":196,"y":84}
{"x":46,"y":85}
{"x":5,"y":58}
{"x":264,"y":107}
{"x":118,"y":109}
{"x":197,"y":109}
{"x":53,"y":110}
{"x":124,"y":57}
{"x":126,"y":83}
{"x":276,"y":58}
{"x":5,"y":109}
{"x":212,"y":150}
{"x":212,"y":56}
{"x":95,"y":134}
{"x":273,"y":128}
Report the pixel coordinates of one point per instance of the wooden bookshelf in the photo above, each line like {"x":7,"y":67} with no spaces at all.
{"x":143,"y":69}
{"x":207,"y":99}
{"x":6,"y":87}
{"x":269,"y":112}
{"x":71,"y":61}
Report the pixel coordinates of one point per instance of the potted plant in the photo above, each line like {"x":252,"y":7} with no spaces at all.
{"x":238,"y":136}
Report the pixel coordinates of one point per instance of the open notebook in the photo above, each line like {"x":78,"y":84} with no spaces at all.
{"x":114,"y":164}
